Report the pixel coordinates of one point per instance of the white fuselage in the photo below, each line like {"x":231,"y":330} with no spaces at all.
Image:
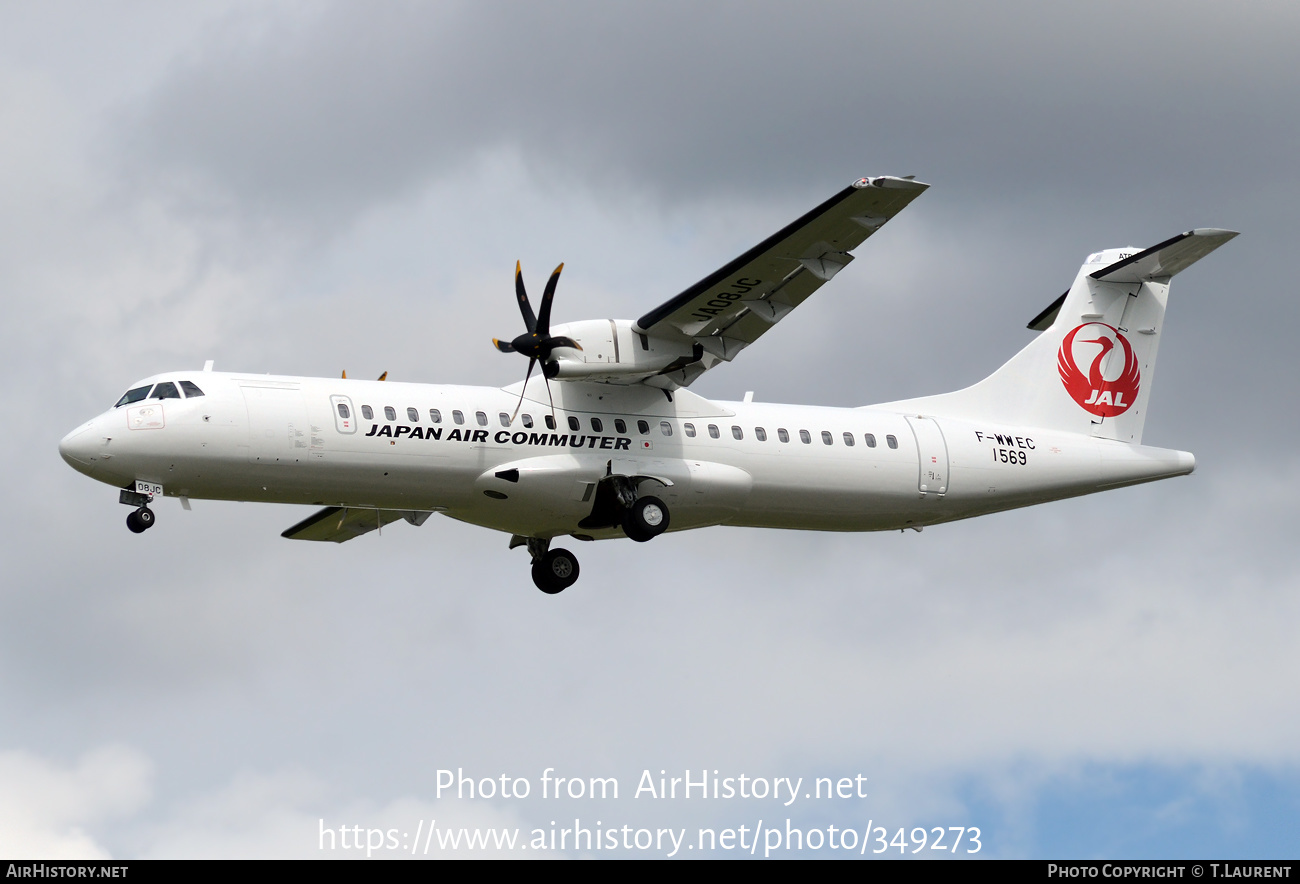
{"x":285,"y":440}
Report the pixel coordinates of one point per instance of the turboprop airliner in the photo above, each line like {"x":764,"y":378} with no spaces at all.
{"x":607,"y":440}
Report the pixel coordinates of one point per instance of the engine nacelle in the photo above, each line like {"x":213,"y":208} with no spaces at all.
{"x":614,"y":352}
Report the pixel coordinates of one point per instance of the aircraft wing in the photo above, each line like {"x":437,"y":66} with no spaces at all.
{"x":337,"y":523}
{"x":732,"y":307}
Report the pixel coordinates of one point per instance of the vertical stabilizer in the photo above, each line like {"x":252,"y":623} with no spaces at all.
{"x":1091,"y":369}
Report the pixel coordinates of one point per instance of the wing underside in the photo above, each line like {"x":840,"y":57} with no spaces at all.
{"x":732,"y":307}
{"x":338,"y":523}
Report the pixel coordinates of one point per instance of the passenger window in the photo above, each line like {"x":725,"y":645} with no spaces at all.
{"x":367,"y":412}
{"x":713,"y":432}
{"x":782,"y":434}
{"x":827,"y":438}
{"x":760,"y":434}
{"x":504,"y":418}
{"x":528,"y":421}
{"x":596,"y":425}
{"x":737,"y":432}
{"x":481,"y":417}
{"x":191,"y":389}
{"x":573,"y":424}
{"x":132,"y":396}
{"x":893,"y":443}
{"x":458,"y":416}
{"x":166,"y":391}
{"x":665,"y":428}
{"x":643,"y":427}
{"x":804,"y":437}
{"x":390,"y":413}
{"x":550,"y":422}
{"x":848,"y":439}
{"x":871,"y":440}
{"x":620,"y":425}
{"x":412,"y":415}
{"x":690,"y":430}
{"x":343,"y":411}
{"x":435,"y":415}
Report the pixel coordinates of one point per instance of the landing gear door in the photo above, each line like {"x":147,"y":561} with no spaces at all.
{"x":932,"y":480}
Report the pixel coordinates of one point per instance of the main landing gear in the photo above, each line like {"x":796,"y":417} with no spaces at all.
{"x":645,"y":519}
{"x":554,"y":570}
{"x":642,"y":519}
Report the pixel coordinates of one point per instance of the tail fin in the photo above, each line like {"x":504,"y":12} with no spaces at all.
{"x":1090,"y":371}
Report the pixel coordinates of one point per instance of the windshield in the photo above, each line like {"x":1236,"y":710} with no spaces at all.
{"x":132,"y":396}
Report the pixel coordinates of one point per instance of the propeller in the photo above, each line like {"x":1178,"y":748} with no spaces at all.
{"x":537,"y":342}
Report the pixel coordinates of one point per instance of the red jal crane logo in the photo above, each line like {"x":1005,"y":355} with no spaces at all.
{"x":1110,"y":386}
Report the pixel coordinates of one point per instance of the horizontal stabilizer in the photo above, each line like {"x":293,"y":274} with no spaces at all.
{"x":337,"y":523}
{"x":1043,"y":321}
{"x":1169,"y":257}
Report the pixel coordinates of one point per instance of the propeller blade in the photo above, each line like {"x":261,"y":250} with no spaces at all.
{"x":548,"y":394}
{"x":536,"y":343}
{"x":384,"y":376}
{"x":530,"y":321}
{"x":544,"y":317}
{"x":527,"y":375}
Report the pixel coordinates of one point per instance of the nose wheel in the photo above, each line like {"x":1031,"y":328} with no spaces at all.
{"x":140,"y":521}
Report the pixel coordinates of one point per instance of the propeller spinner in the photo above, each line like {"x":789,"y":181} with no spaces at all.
{"x":537,"y":342}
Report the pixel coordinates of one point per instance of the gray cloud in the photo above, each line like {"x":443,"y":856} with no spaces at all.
{"x":341,"y":105}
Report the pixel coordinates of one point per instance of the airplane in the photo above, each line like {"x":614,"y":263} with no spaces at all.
{"x":608,"y":441}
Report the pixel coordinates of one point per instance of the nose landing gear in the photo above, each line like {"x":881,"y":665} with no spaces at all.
{"x":140,"y":520}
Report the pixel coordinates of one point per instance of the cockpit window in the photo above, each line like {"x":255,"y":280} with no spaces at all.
{"x":166,"y":391}
{"x":191,"y":389}
{"x":132,"y":396}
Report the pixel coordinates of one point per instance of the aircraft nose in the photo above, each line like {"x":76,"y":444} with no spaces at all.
{"x":79,"y":448}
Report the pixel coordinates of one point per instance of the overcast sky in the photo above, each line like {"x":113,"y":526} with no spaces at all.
{"x":312,"y":187}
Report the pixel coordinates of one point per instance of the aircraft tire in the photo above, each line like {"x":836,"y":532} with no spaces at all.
{"x":134,"y":524}
{"x":646,"y":519}
{"x":555,"y":571}
{"x":145,"y":517}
